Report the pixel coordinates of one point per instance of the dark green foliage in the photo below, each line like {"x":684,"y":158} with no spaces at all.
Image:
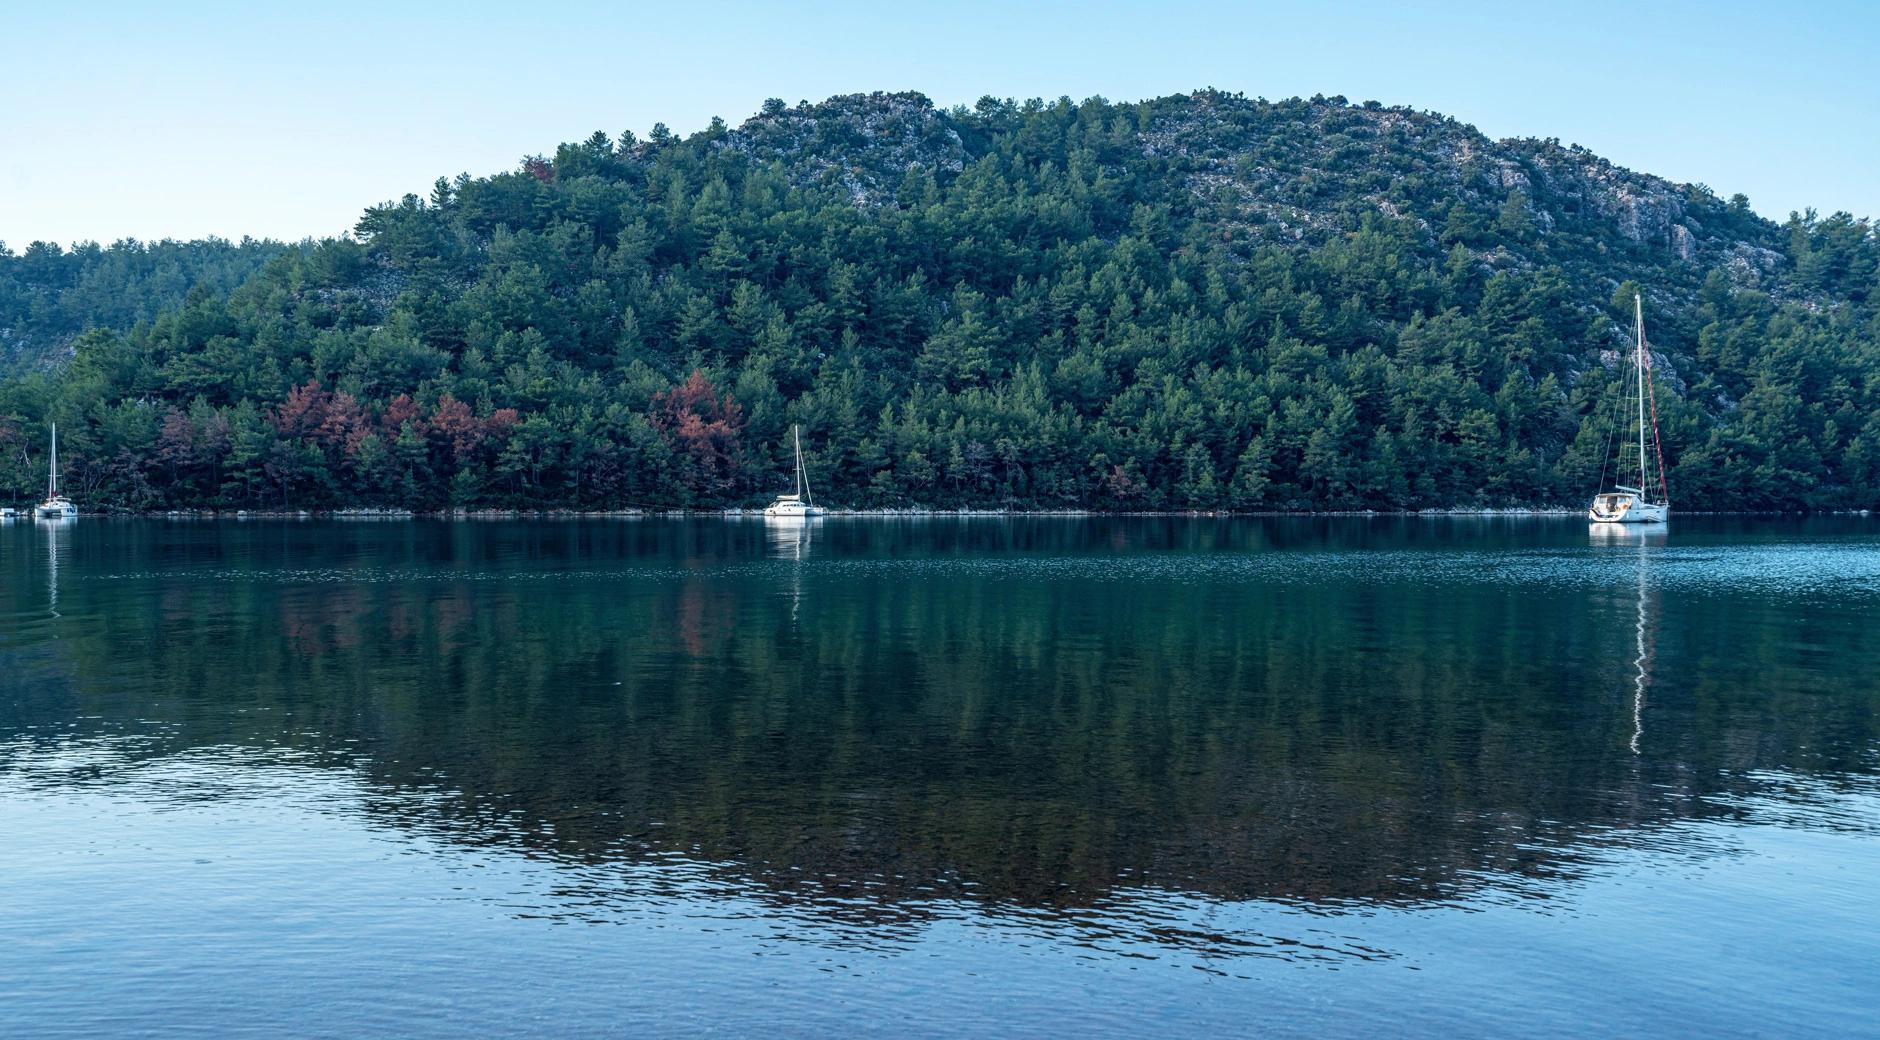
{"x":49,"y":295}
{"x":1194,"y":302}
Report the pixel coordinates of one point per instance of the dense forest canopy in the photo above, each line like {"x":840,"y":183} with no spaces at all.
{"x":1199,"y":301}
{"x":49,"y":295}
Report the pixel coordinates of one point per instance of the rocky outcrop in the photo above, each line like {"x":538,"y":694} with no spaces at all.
{"x":865,"y":144}
{"x":1287,"y":167}
{"x":1683,"y":243}
{"x":1302,"y":170}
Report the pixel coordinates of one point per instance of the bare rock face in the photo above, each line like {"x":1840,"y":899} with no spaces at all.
{"x":1683,"y":243}
{"x":1287,"y":171}
{"x":864,"y":143}
{"x":1644,"y":215}
{"x":1752,"y":267}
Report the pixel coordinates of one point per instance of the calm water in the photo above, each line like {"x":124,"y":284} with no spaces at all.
{"x":953,"y":778}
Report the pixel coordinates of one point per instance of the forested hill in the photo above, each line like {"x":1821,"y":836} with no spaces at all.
{"x":49,"y":295}
{"x":1200,"y":301}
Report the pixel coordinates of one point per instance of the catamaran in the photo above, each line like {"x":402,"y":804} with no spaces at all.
{"x":1647,"y":501}
{"x":56,"y":506}
{"x":799,"y":506}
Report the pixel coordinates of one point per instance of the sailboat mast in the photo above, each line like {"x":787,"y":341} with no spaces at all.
{"x":52,"y":466}
{"x":1638,"y":307}
{"x":802,"y":475}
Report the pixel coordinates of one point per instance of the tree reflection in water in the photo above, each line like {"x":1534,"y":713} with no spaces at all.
{"x":1063,"y":720}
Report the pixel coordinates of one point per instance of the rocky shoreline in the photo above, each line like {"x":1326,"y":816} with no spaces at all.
{"x":908,"y":513}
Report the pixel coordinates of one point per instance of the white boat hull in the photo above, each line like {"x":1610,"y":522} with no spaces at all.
{"x":792,"y":511}
{"x":1626,"y":509}
{"x":57,"y":509}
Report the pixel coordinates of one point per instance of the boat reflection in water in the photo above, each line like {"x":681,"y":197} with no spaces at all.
{"x":788,"y":538}
{"x":1647,"y":540}
{"x":58,"y":534}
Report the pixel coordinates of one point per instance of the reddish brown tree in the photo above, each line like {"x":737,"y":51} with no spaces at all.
{"x":344,"y":425}
{"x":500,"y":422}
{"x":1120,"y":486}
{"x":303,"y":411}
{"x":705,"y":429}
{"x":176,"y":442}
{"x":399,"y":411}
{"x":212,"y":437}
{"x":455,"y":427}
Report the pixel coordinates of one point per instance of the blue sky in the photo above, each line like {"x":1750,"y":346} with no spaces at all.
{"x":185,"y":120}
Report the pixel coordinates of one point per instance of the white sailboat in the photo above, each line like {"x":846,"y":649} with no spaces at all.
{"x":56,"y":506}
{"x":1646,"y":501}
{"x":798,"y":506}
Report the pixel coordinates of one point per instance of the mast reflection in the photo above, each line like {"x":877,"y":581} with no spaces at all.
{"x":58,"y":532}
{"x":788,"y":538}
{"x":1647,"y":539}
